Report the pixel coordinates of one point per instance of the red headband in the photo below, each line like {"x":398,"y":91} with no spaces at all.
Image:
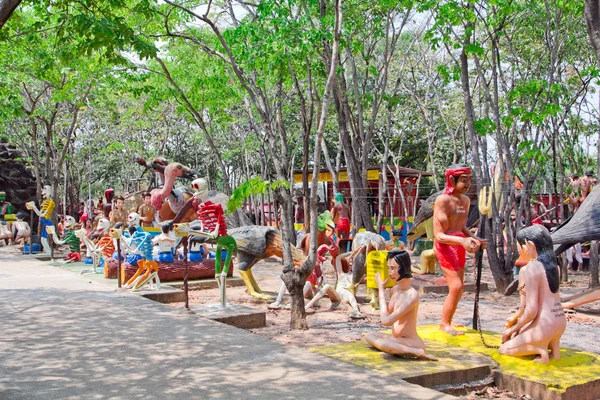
{"x":449,"y":189}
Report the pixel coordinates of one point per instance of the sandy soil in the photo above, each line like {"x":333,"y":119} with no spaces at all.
{"x":328,"y":326}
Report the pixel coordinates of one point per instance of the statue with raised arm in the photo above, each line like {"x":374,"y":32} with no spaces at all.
{"x":452,"y":239}
{"x":540,"y":321}
{"x":400,"y":313}
{"x":45,"y":213}
{"x":69,"y":239}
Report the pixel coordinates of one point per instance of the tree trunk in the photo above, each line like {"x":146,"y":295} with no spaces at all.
{"x":7,"y":7}
{"x":594,"y":264}
{"x":295,"y":280}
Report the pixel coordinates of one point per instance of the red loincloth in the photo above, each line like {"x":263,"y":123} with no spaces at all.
{"x":451,"y":256}
{"x":343,"y":225}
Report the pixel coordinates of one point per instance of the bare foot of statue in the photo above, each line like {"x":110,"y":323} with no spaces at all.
{"x":424,"y":356}
{"x":309,"y":311}
{"x":457,"y":325}
{"x":363,"y":337}
{"x":448,"y":329}
{"x":542,"y":358}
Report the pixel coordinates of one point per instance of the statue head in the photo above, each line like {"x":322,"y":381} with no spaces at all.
{"x":133,"y":219}
{"x":176,"y":170}
{"x":2,"y":196}
{"x":21,"y":216}
{"x":120,"y":202}
{"x":339,"y":198}
{"x":147,"y":198}
{"x":69,"y":222}
{"x":200,"y":185}
{"x":325,"y":221}
{"x":537,"y":243}
{"x":458,"y":178}
{"x":166,"y":227}
{"x":103,"y":226}
{"x":47,"y":191}
{"x":399,"y":263}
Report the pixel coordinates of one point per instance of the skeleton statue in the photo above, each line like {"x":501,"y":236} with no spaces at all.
{"x":45,"y":214}
{"x":211,"y":224}
{"x":99,"y":251}
{"x":70,"y":239}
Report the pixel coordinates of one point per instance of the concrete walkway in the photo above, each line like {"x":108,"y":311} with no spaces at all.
{"x":63,"y":336}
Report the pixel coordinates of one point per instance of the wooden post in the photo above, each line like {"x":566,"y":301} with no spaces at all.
{"x":185,"y":272}
{"x":594,"y":264}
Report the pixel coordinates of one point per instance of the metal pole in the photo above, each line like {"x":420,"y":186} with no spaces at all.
{"x":479,"y":264}
{"x":119,"y":262}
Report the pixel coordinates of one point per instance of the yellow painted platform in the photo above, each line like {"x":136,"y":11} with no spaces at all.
{"x":574,"y":367}
{"x":455,"y":365}
{"x":575,"y":376}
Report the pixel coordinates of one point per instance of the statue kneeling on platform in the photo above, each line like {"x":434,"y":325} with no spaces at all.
{"x":401,"y":313}
{"x":540,"y":321}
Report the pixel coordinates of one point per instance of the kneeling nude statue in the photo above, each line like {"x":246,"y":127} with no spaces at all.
{"x":540,"y":321}
{"x":401,"y":313}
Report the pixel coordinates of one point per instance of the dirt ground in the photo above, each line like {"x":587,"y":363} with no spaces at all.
{"x":328,"y":326}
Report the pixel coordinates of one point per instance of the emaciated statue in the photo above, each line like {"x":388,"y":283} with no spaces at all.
{"x":540,"y":321}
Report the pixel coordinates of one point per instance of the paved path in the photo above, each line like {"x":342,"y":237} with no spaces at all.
{"x":65,"y":337}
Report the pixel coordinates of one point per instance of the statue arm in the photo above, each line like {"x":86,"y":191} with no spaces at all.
{"x":400,"y":309}
{"x":532,"y":285}
{"x":31,"y":206}
{"x":52,"y":232}
{"x":512,"y":320}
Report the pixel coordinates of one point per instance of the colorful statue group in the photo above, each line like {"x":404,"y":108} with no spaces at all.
{"x":535,"y":329}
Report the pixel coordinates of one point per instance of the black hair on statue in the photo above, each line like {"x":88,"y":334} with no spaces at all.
{"x":166,"y":227}
{"x":132,"y":230}
{"x":542,"y":240}
{"x":403,"y":259}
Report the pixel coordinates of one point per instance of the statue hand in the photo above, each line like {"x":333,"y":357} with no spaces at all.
{"x":51,"y":231}
{"x":470,"y":244}
{"x":380,"y":283}
{"x":181,"y":230}
{"x":29,"y":205}
{"x":483,"y":243}
{"x":511,"y":321}
{"x":507,"y":335}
